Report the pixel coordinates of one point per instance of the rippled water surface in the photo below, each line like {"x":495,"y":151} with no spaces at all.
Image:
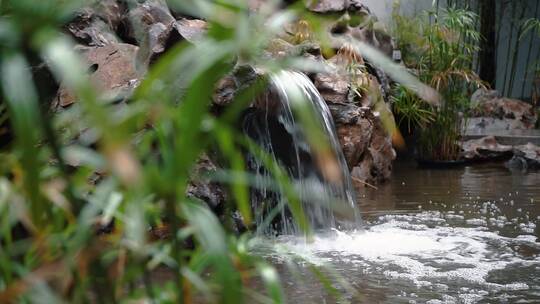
{"x":465,"y":235}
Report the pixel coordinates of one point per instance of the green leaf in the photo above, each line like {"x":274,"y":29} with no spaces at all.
{"x":271,"y":281}
{"x":22,"y":101}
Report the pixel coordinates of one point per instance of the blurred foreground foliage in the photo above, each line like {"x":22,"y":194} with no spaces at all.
{"x":65,"y":237}
{"x":51,"y":213}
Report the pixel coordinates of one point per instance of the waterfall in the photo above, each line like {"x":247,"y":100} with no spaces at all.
{"x":273,"y":124}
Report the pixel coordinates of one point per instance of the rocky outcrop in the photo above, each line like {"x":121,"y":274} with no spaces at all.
{"x":492,"y":112}
{"x":329,"y":6}
{"x":202,"y":187}
{"x":521,"y":157}
{"x":97,"y":25}
{"x":225,"y":91}
{"x":482,"y":95}
{"x":366,"y":144}
{"x":354,"y":91}
{"x":151,"y":25}
{"x":510,"y":109}
{"x":115,"y":69}
{"x":356,"y":21}
{"x":526,"y":157}
{"x":493,"y":125}
{"x":486,"y":148}
{"x":191,"y":29}
{"x":336,"y":6}
{"x":111,"y":69}
{"x":334,"y":87}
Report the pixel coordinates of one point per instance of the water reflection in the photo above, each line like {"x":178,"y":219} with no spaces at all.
{"x":466,"y":191}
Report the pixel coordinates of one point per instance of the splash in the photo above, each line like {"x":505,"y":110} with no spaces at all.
{"x":274,"y":124}
{"x":408,"y":250}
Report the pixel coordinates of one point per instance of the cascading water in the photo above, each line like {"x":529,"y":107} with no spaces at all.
{"x":273,"y":125}
{"x":473,"y":245}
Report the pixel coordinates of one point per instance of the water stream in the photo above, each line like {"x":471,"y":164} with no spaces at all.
{"x":273,"y":124}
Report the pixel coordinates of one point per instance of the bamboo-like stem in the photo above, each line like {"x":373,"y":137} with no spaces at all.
{"x":512,"y":25}
{"x":528,"y":61}
{"x":516,"y":52}
{"x":498,"y":34}
{"x":476,"y":60}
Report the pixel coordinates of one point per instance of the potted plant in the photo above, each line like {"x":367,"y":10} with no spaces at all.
{"x":445,"y":62}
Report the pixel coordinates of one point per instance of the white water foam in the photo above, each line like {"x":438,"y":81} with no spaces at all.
{"x":406,"y":249}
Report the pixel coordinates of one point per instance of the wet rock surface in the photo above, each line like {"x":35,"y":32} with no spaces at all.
{"x":366,"y":144}
{"x":526,"y":157}
{"x":521,"y":157}
{"x":486,"y":148}
{"x":150,"y":28}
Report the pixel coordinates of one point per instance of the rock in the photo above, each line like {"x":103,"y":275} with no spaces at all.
{"x":225,"y":91}
{"x":112,"y":71}
{"x":382,"y":153}
{"x":333,"y":6}
{"x":358,"y":6}
{"x":373,"y":35}
{"x":353,"y":130}
{"x":343,"y":113}
{"x":240,"y":78}
{"x":486,"y":148}
{"x":354,"y":140}
{"x":384,"y":81}
{"x":96,"y":25}
{"x":366,"y":145}
{"x":506,"y":108}
{"x":371,"y":91}
{"x":334,"y":87}
{"x":202,"y":188}
{"x":280,"y":48}
{"x":482,"y":95}
{"x":358,"y":23}
{"x":510,"y":108}
{"x":526,"y":157}
{"x":91,"y":30}
{"x":490,"y":125}
{"x":151,"y":25}
{"x":191,"y":29}
{"x":328,"y":6}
